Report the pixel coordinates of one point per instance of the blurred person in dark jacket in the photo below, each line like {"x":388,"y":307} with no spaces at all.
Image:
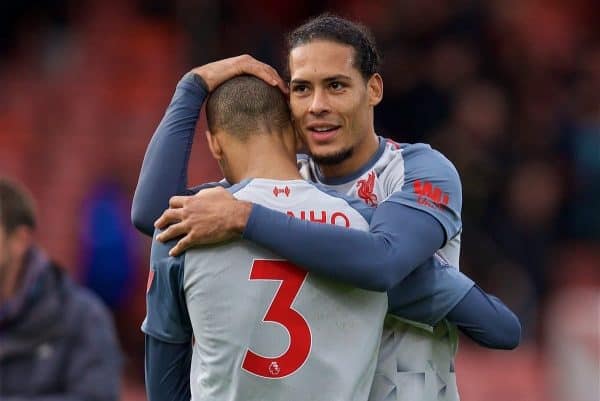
{"x":57,"y":340}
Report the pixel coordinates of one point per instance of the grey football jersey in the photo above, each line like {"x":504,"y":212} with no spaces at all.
{"x":266,"y":330}
{"x":416,"y":362}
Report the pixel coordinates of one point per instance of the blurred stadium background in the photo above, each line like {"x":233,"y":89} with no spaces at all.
{"x":509,"y":90}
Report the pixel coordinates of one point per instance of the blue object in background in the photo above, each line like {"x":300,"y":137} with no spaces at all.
{"x":108,"y":257}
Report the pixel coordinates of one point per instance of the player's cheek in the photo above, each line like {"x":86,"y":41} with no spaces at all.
{"x":301,"y":105}
{"x":303,"y":133}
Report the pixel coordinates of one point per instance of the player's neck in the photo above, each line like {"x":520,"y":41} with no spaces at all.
{"x":266,"y":157}
{"x":362,"y":153}
{"x":273,"y":170}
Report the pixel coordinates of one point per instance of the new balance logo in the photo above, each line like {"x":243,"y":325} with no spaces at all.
{"x":429,"y":195}
{"x":283,"y":191}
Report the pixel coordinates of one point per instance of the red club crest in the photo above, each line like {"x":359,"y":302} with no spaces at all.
{"x":365,"y":189}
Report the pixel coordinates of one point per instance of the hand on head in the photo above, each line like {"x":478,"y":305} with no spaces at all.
{"x":214,"y":74}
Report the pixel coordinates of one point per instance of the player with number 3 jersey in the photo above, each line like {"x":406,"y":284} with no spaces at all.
{"x":265,"y":329}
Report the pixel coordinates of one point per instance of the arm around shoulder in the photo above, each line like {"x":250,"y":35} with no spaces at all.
{"x":164,"y":169}
{"x":399,"y":240}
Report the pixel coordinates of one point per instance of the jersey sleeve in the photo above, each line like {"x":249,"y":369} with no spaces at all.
{"x":164,"y":170}
{"x":429,"y":293}
{"x":431,"y":184}
{"x":167,"y":317}
{"x":436,"y":291}
{"x":399,"y":239}
{"x":405,"y":229}
{"x":486,"y":320}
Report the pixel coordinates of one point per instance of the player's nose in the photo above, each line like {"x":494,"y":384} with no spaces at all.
{"x":319,"y":103}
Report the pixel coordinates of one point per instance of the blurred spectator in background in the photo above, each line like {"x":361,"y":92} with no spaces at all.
{"x":582,"y":134}
{"x":57,"y":340}
{"x":573,"y":332}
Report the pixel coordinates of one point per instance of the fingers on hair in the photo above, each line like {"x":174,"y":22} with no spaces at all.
{"x":246,"y":104}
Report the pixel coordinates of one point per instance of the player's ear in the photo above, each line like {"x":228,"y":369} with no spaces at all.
{"x":375,"y":89}
{"x":214,"y":145}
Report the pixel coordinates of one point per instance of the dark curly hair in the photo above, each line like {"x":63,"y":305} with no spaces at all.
{"x":340,"y":30}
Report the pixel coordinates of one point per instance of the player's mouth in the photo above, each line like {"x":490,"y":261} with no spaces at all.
{"x":323,"y":132}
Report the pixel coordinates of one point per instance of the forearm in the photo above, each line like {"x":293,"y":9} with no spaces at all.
{"x":435,"y":291}
{"x":400,"y":239}
{"x":164,"y":170}
{"x":167,"y":369}
{"x":429,"y":293}
{"x":486,"y":320}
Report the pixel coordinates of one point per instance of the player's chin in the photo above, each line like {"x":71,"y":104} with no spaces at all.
{"x":331,"y":157}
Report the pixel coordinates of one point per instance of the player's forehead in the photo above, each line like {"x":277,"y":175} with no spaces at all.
{"x":320,"y":59}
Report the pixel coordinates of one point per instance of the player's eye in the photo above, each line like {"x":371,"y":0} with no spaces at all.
{"x":299,"y":88}
{"x":336,"y":86}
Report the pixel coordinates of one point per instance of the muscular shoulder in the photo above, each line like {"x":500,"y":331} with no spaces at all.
{"x":306,"y":200}
{"x":404,"y":165}
{"x":422,"y":178}
{"x":421,"y":160}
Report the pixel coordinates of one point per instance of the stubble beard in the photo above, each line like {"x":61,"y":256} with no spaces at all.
{"x":333,"y":158}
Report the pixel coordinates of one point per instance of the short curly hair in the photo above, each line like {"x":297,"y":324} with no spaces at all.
{"x":340,"y":30}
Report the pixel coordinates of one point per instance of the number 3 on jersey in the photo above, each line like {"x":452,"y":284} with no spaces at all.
{"x":281,"y":311}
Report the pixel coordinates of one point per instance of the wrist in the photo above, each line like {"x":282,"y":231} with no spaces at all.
{"x":200,"y":81}
{"x":193,"y":82}
{"x":203,"y":77}
{"x":240,"y":215}
{"x":195,"y":78}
